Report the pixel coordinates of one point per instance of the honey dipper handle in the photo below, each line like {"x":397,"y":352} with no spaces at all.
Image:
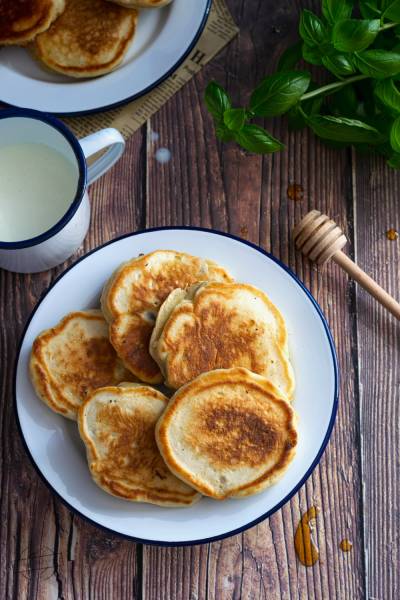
{"x":367,"y":283}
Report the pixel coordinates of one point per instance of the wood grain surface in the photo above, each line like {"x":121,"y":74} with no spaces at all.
{"x":46,"y":552}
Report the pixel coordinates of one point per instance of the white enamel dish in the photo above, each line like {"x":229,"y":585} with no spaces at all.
{"x":164,"y":38}
{"x":54,"y":444}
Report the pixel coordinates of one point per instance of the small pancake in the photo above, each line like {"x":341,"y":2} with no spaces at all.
{"x":218,"y":326}
{"x":89,"y":39}
{"x":117,"y":427}
{"x":133,"y":295}
{"x":142,"y":3}
{"x":72,"y":359}
{"x":228,"y":433}
{"x":22,"y":20}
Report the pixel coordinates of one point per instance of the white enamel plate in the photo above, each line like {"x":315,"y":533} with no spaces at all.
{"x":54,"y":444}
{"x":164,"y":38}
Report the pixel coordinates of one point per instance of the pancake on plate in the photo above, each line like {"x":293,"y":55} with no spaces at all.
{"x":72,"y":359}
{"x":142,"y":3}
{"x":117,"y":427}
{"x":22,"y":20}
{"x":89,"y":39}
{"x":133,"y":295}
{"x":228,"y":433}
{"x":218,"y":325}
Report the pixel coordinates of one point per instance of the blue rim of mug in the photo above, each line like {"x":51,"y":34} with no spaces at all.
{"x":295,"y":489}
{"x":80,"y":157}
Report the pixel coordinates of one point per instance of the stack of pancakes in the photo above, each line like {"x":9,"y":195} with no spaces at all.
{"x":170,"y":318}
{"x":79,"y":38}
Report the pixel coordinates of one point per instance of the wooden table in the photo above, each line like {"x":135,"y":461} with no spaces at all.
{"x":46,"y":551}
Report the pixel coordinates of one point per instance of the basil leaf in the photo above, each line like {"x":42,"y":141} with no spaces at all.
{"x":378,"y":64}
{"x":344,"y":102}
{"x":388,"y":94}
{"x":395,"y":135}
{"x":217,"y":100}
{"x":234,"y":118}
{"x":342,"y":129}
{"x":394,"y":161}
{"x":312,"y":29}
{"x":223,"y":133}
{"x":339,"y":64}
{"x":312,"y":55}
{"x":370,"y":9}
{"x":352,"y":35}
{"x":335,"y":10}
{"x":290,"y":57}
{"x":256,"y":139}
{"x":278,"y":92}
{"x":392,"y":12}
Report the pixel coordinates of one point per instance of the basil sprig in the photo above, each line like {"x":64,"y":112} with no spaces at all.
{"x":358,"y":43}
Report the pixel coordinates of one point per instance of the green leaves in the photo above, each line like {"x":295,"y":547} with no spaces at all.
{"x":378,"y":64}
{"x":340,"y":65}
{"x":335,"y":10}
{"x":234,"y":118}
{"x":312,"y":29}
{"x":359,"y":105}
{"x":278,"y":93}
{"x":352,"y":35}
{"x":290,"y":57}
{"x":217,"y":100}
{"x":388,"y":94}
{"x":395,"y":135}
{"x":256,"y":139}
{"x":392,"y":11}
{"x":342,"y":129}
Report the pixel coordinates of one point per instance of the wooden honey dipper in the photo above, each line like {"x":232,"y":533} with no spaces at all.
{"x":319,"y":238}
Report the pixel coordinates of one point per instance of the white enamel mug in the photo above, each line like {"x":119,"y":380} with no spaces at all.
{"x":58,"y":243}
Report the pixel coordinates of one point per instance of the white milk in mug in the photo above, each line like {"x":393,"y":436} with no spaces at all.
{"x":44,"y":206}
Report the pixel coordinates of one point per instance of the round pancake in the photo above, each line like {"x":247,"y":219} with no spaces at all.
{"x":117,"y":427}
{"x":133,"y":295}
{"x":22,"y":20}
{"x":142,"y":3}
{"x":217,"y":326}
{"x":89,"y":39}
{"x":228,"y":433}
{"x":72,"y":359}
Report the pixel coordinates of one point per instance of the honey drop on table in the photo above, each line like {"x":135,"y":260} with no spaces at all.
{"x":392,"y":234}
{"x":306,"y":551}
{"x":295,"y":192}
{"x":346,"y":545}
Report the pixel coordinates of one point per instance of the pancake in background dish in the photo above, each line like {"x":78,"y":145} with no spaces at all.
{"x":22,"y":20}
{"x":90,"y":38}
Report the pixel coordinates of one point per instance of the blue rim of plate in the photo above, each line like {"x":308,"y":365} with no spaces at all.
{"x":30,"y":113}
{"x":146,"y":90}
{"x":308,"y":472}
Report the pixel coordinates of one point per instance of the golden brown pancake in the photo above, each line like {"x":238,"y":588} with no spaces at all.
{"x":22,"y":20}
{"x":117,"y":427}
{"x":72,"y":359}
{"x":228,"y":433}
{"x":217,"y":325}
{"x":89,"y":39}
{"x":133,"y":295}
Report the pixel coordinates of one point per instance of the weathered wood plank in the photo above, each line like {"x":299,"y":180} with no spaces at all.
{"x":47,"y":553}
{"x":376,"y":209}
{"x":220,"y":186}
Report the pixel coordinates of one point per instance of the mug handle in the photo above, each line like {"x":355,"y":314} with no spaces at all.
{"x":98,"y":141}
